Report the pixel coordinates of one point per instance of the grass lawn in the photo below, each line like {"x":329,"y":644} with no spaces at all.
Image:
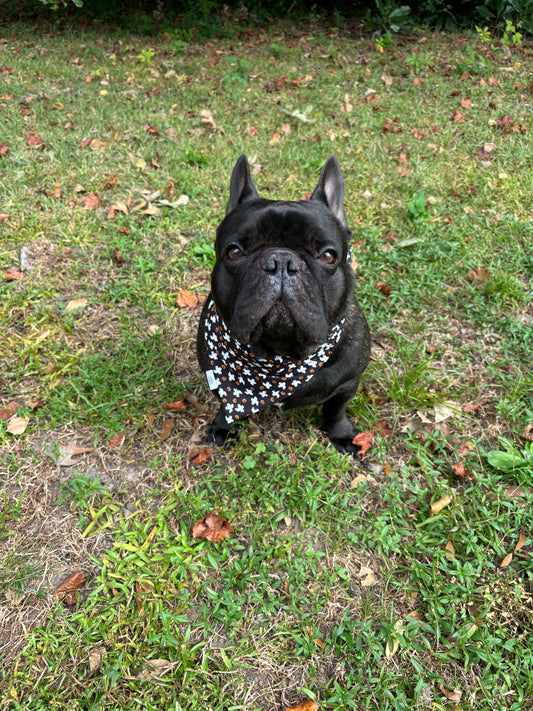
{"x":404,"y":585}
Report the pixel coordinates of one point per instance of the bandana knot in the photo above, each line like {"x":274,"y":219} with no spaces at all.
{"x":245,"y":383}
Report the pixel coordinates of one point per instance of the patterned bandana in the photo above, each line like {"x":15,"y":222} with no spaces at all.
{"x":246,"y":384}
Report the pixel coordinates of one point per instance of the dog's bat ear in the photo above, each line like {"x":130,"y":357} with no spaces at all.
{"x":330,"y":189}
{"x":241,"y":186}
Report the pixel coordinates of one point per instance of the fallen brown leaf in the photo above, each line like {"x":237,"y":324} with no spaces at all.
{"x":367,"y":575}
{"x":207,"y":119}
{"x":358,"y":480}
{"x":117,"y":257}
{"x":63,"y":457}
{"x":9,"y":410}
{"x":12,"y":275}
{"x":95,"y":658}
{"x":517,"y":492}
{"x":17,"y":425}
{"x":437,"y":506}
{"x":522,"y":538}
{"x":141,"y":588}
{"x":186,"y":299}
{"x":91,"y":202}
{"x":415,"y":616}
{"x":117,"y":441}
{"x":67,"y":590}
{"x":96,"y":143}
{"x":76,"y":304}
{"x":308,"y":705}
{"x":213,"y":527}
{"x":506,"y":561}
{"x":459,"y":469}
{"x":391,"y":125}
{"x":176,"y":405}
{"x":478,"y":274}
{"x":382,"y":429}
{"x":363,"y":440}
{"x":465,"y":448}
{"x":33,"y":140}
{"x":120,"y":207}
{"x":203,"y":456}
{"x":454,"y":695}
{"x":382,"y":286}
{"x":527,"y":432}
{"x":166,"y":429}
{"x":450,"y":551}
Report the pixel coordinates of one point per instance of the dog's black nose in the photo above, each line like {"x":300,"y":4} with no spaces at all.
{"x":281,"y":262}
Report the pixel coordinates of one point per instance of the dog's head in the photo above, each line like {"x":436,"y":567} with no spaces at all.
{"x":281,"y":278}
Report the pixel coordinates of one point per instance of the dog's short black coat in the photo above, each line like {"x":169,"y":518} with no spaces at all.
{"x":281,"y":281}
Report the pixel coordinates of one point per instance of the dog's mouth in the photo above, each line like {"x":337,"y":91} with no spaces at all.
{"x":279,"y":333}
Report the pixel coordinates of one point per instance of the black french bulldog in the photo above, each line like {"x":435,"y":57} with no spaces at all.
{"x":281,"y":324}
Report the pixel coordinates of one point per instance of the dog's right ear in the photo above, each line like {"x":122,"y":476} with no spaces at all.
{"x":241,"y":186}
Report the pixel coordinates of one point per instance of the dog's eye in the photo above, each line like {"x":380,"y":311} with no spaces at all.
{"x":329,"y":256}
{"x":235,"y":253}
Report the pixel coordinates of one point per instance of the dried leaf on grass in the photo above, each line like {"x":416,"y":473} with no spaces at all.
{"x":63,"y":455}
{"x":363,"y":440}
{"x":68,"y":589}
{"x":142,"y":587}
{"x":213,"y":527}
{"x":359,"y":479}
{"x":166,"y":429}
{"x":117,"y":441}
{"x":308,"y":705}
{"x":156,"y":668}
{"x":176,"y":404}
{"x":9,"y":410}
{"x":12,"y":275}
{"x":17,"y":425}
{"x":527,"y":432}
{"x":186,"y":299}
{"x":445,"y":410}
{"x":393,"y":643}
{"x":517,"y":492}
{"x":76,"y":304}
{"x":522,"y":538}
{"x":204,"y":455}
{"x":506,"y":561}
{"x":471,"y":407}
{"x":95,"y":658}
{"x":460,"y":471}
{"x":450,"y":551}
{"x":414,"y":615}
{"x":437,"y":506}
{"x":91,"y":202}
{"x":454,"y":695}
{"x":367,"y":576}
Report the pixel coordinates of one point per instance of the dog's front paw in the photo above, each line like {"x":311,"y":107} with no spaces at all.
{"x":218,"y":436}
{"x":221,"y":433}
{"x":345,"y":445}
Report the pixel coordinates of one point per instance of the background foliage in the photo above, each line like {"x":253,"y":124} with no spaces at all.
{"x":381,"y":15}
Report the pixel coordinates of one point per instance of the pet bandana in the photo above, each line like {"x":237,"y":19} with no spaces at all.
{"x":246,"y":384}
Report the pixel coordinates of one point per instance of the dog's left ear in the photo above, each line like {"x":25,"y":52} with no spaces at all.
{"x":241,"y":185}
{"x":330,"y":189}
